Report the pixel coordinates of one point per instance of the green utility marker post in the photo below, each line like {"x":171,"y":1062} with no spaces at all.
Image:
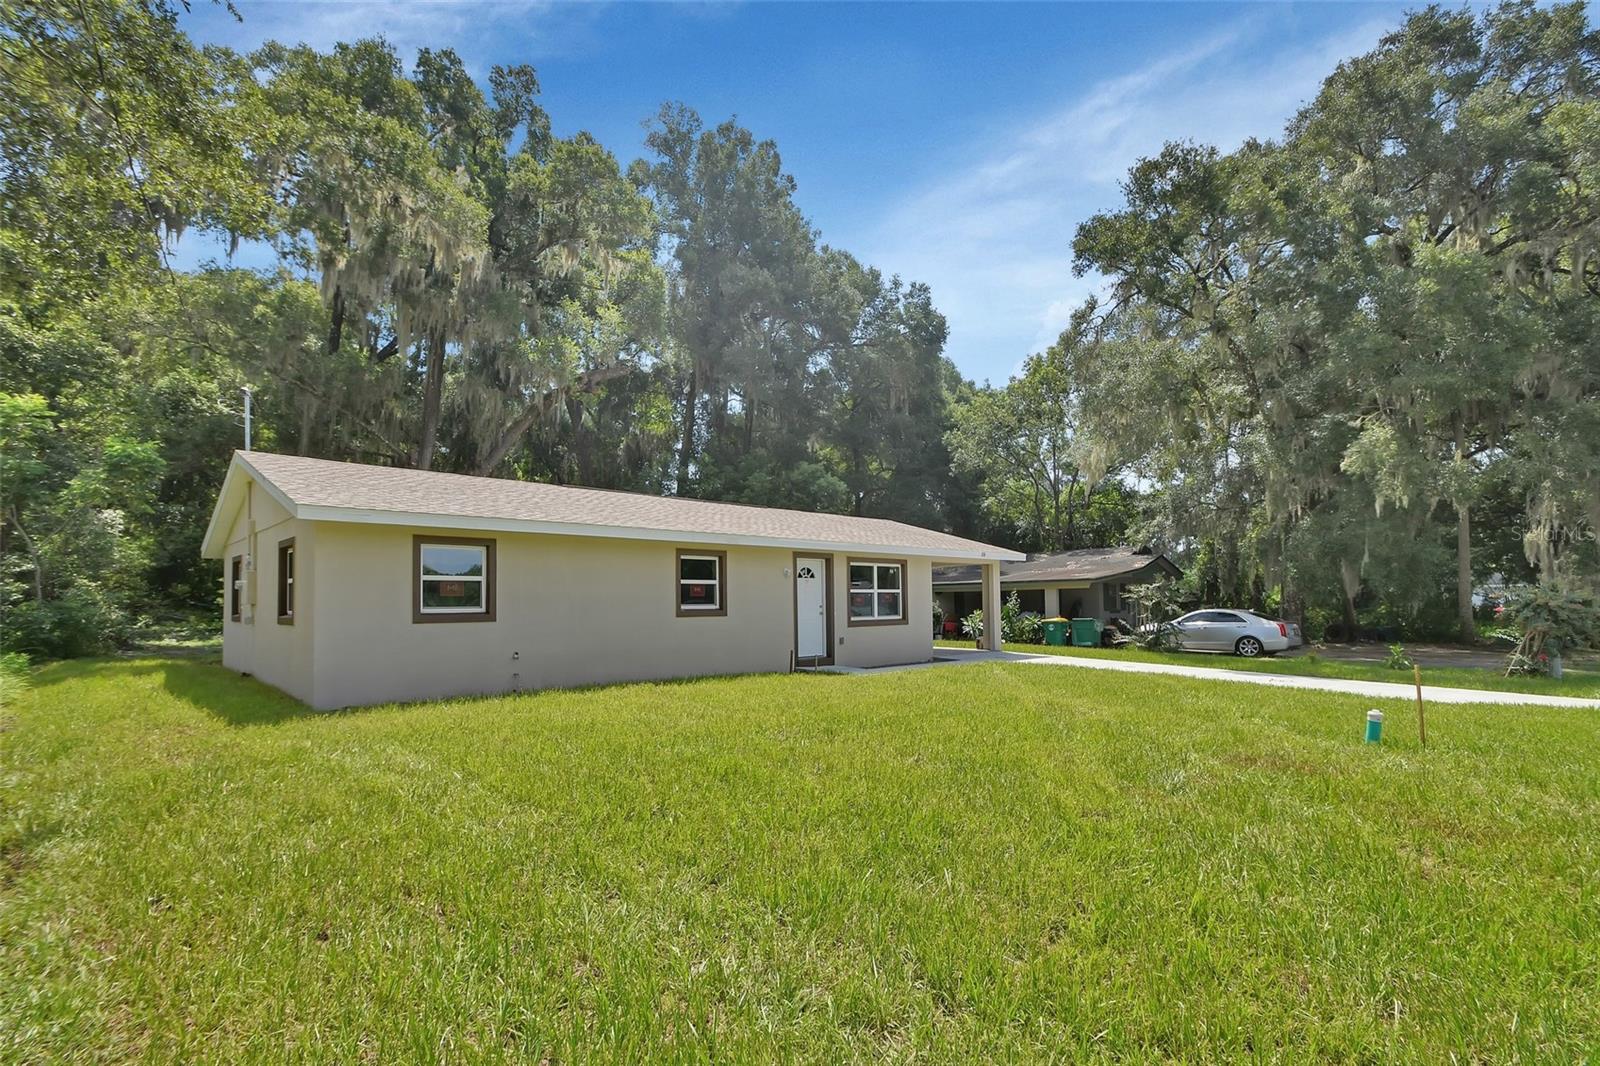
{"x":1374,"y":727}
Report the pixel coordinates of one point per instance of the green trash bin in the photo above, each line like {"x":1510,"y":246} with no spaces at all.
{"x":1055,"y":631}
{"x":1086,"y":632}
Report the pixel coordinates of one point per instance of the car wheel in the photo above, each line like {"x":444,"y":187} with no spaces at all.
{"x":1247,"y":648}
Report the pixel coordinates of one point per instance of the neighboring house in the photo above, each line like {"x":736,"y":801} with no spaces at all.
{"x":347,"y":584}
{"x":1089,"y":583}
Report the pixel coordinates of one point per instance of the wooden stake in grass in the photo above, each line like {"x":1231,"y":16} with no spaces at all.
{"x":1422,"y":726}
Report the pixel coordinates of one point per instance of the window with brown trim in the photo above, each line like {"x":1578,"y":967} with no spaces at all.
{"x":235,"y":586}
{"x":452,"y":579}
{"x":877,"y":592}
{"x":286,"y":582}
{"x":702,"y":585}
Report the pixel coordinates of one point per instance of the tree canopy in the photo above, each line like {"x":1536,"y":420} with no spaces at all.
{"x":1347,"y":373}
{"x":1329,"y":351}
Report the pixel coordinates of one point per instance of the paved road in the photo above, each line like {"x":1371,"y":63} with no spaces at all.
{"x":1374,"y":689}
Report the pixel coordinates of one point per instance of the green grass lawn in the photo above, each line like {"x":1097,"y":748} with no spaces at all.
{"x":988,"y":862}
{"x":1582,"y":680}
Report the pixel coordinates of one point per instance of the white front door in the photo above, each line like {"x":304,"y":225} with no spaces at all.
{"x":810,"y":608}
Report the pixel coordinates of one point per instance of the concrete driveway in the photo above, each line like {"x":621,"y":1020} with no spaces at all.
{"x":1382,"y":690}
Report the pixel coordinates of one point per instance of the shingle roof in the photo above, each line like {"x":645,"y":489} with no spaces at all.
{"x":1084,"y":564}
{"x":321,"y":489}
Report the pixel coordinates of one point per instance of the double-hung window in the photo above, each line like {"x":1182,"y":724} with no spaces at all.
{"x":702,"y":582}
{"x":286,"y":582}
{"x":452,"y":579}
{"x":877,"y":592}
{"x":235,"y":587}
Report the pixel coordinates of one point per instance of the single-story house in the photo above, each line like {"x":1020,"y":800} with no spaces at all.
{"x":346,"y":584}
{"x":1087,"y":583}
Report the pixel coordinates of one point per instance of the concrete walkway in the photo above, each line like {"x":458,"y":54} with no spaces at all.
{"x":1374,"y":689}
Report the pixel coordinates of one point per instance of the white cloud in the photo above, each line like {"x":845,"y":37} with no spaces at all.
{"x":994,"y":240}
{"x":472,"y":27}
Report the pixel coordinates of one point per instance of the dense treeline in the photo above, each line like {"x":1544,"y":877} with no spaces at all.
{"x":1323,"y":362}
{"x":453,"y":287}
{"x":1362,"y":365}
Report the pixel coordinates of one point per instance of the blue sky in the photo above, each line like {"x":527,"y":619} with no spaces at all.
{"x":956,"y":144}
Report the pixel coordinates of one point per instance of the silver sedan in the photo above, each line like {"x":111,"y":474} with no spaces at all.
{"x":1230,"y":632}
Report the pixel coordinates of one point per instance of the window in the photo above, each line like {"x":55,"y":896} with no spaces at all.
{"x":235,"y":586}
{"x":286,"y":582}
{"x":876,"y":595}
{"x":702,"y":583}
{"x":1113,"y":597}
{"x":452,"y":579}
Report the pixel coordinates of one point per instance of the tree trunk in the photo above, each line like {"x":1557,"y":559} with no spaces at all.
{"x":582,"y":452}
{"x":1038,"y":516}
{"x":541,"y":405}
{"x":858,"y":468}
{"x":719,"y":415}
{"x":1056,"y":531}
{"x":308,"y":414}
{"x":33,"y":556}
{"x":336,"y":328}
{"x":1070,"y":540}
{"x":1469,"y":624}
{"x":749,"y":418}
{"x":686,"y":452}
{"x":432,"y":398}
{"x":1352,"y":625}
{"x":1349,"y":586}
{"x":509,"y":438}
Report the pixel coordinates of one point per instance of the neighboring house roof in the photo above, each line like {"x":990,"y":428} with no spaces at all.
{"x":1083,"y":565}
{"x":321,"y":490}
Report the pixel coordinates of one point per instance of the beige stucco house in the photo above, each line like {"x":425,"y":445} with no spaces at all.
{"x":346,"y":584}
{"x":1085,"y":583}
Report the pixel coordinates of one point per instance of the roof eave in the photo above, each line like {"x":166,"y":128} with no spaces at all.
{"x":240,"y":473}
{"x":319,"y":513}
{"x":213,"y":544}
{"x":1159,"y":562}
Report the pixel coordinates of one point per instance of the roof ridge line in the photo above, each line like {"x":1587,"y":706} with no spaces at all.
{"x":586,"y":488}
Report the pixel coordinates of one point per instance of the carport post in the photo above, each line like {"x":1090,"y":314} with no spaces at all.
{"x":991,"y":606}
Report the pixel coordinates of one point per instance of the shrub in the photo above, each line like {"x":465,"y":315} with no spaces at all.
{"x":1554,"y":619}
{"x":1398,"y":659}
{"x":1159,"y":637}
{"x":972,"y":624}
{"x":1159,"y":601}
{"x":1017,"y":627}
{"x":79,"y":623}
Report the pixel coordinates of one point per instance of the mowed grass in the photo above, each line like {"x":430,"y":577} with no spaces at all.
{"x":987,"y":862}
{"x":1581,"y":679}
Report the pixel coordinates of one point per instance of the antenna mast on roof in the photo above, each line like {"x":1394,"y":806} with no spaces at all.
{"x":246,"y":391}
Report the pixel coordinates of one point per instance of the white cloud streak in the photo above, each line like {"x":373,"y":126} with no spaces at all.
{"x":994,"y":240}
{"x":471,"y":27}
